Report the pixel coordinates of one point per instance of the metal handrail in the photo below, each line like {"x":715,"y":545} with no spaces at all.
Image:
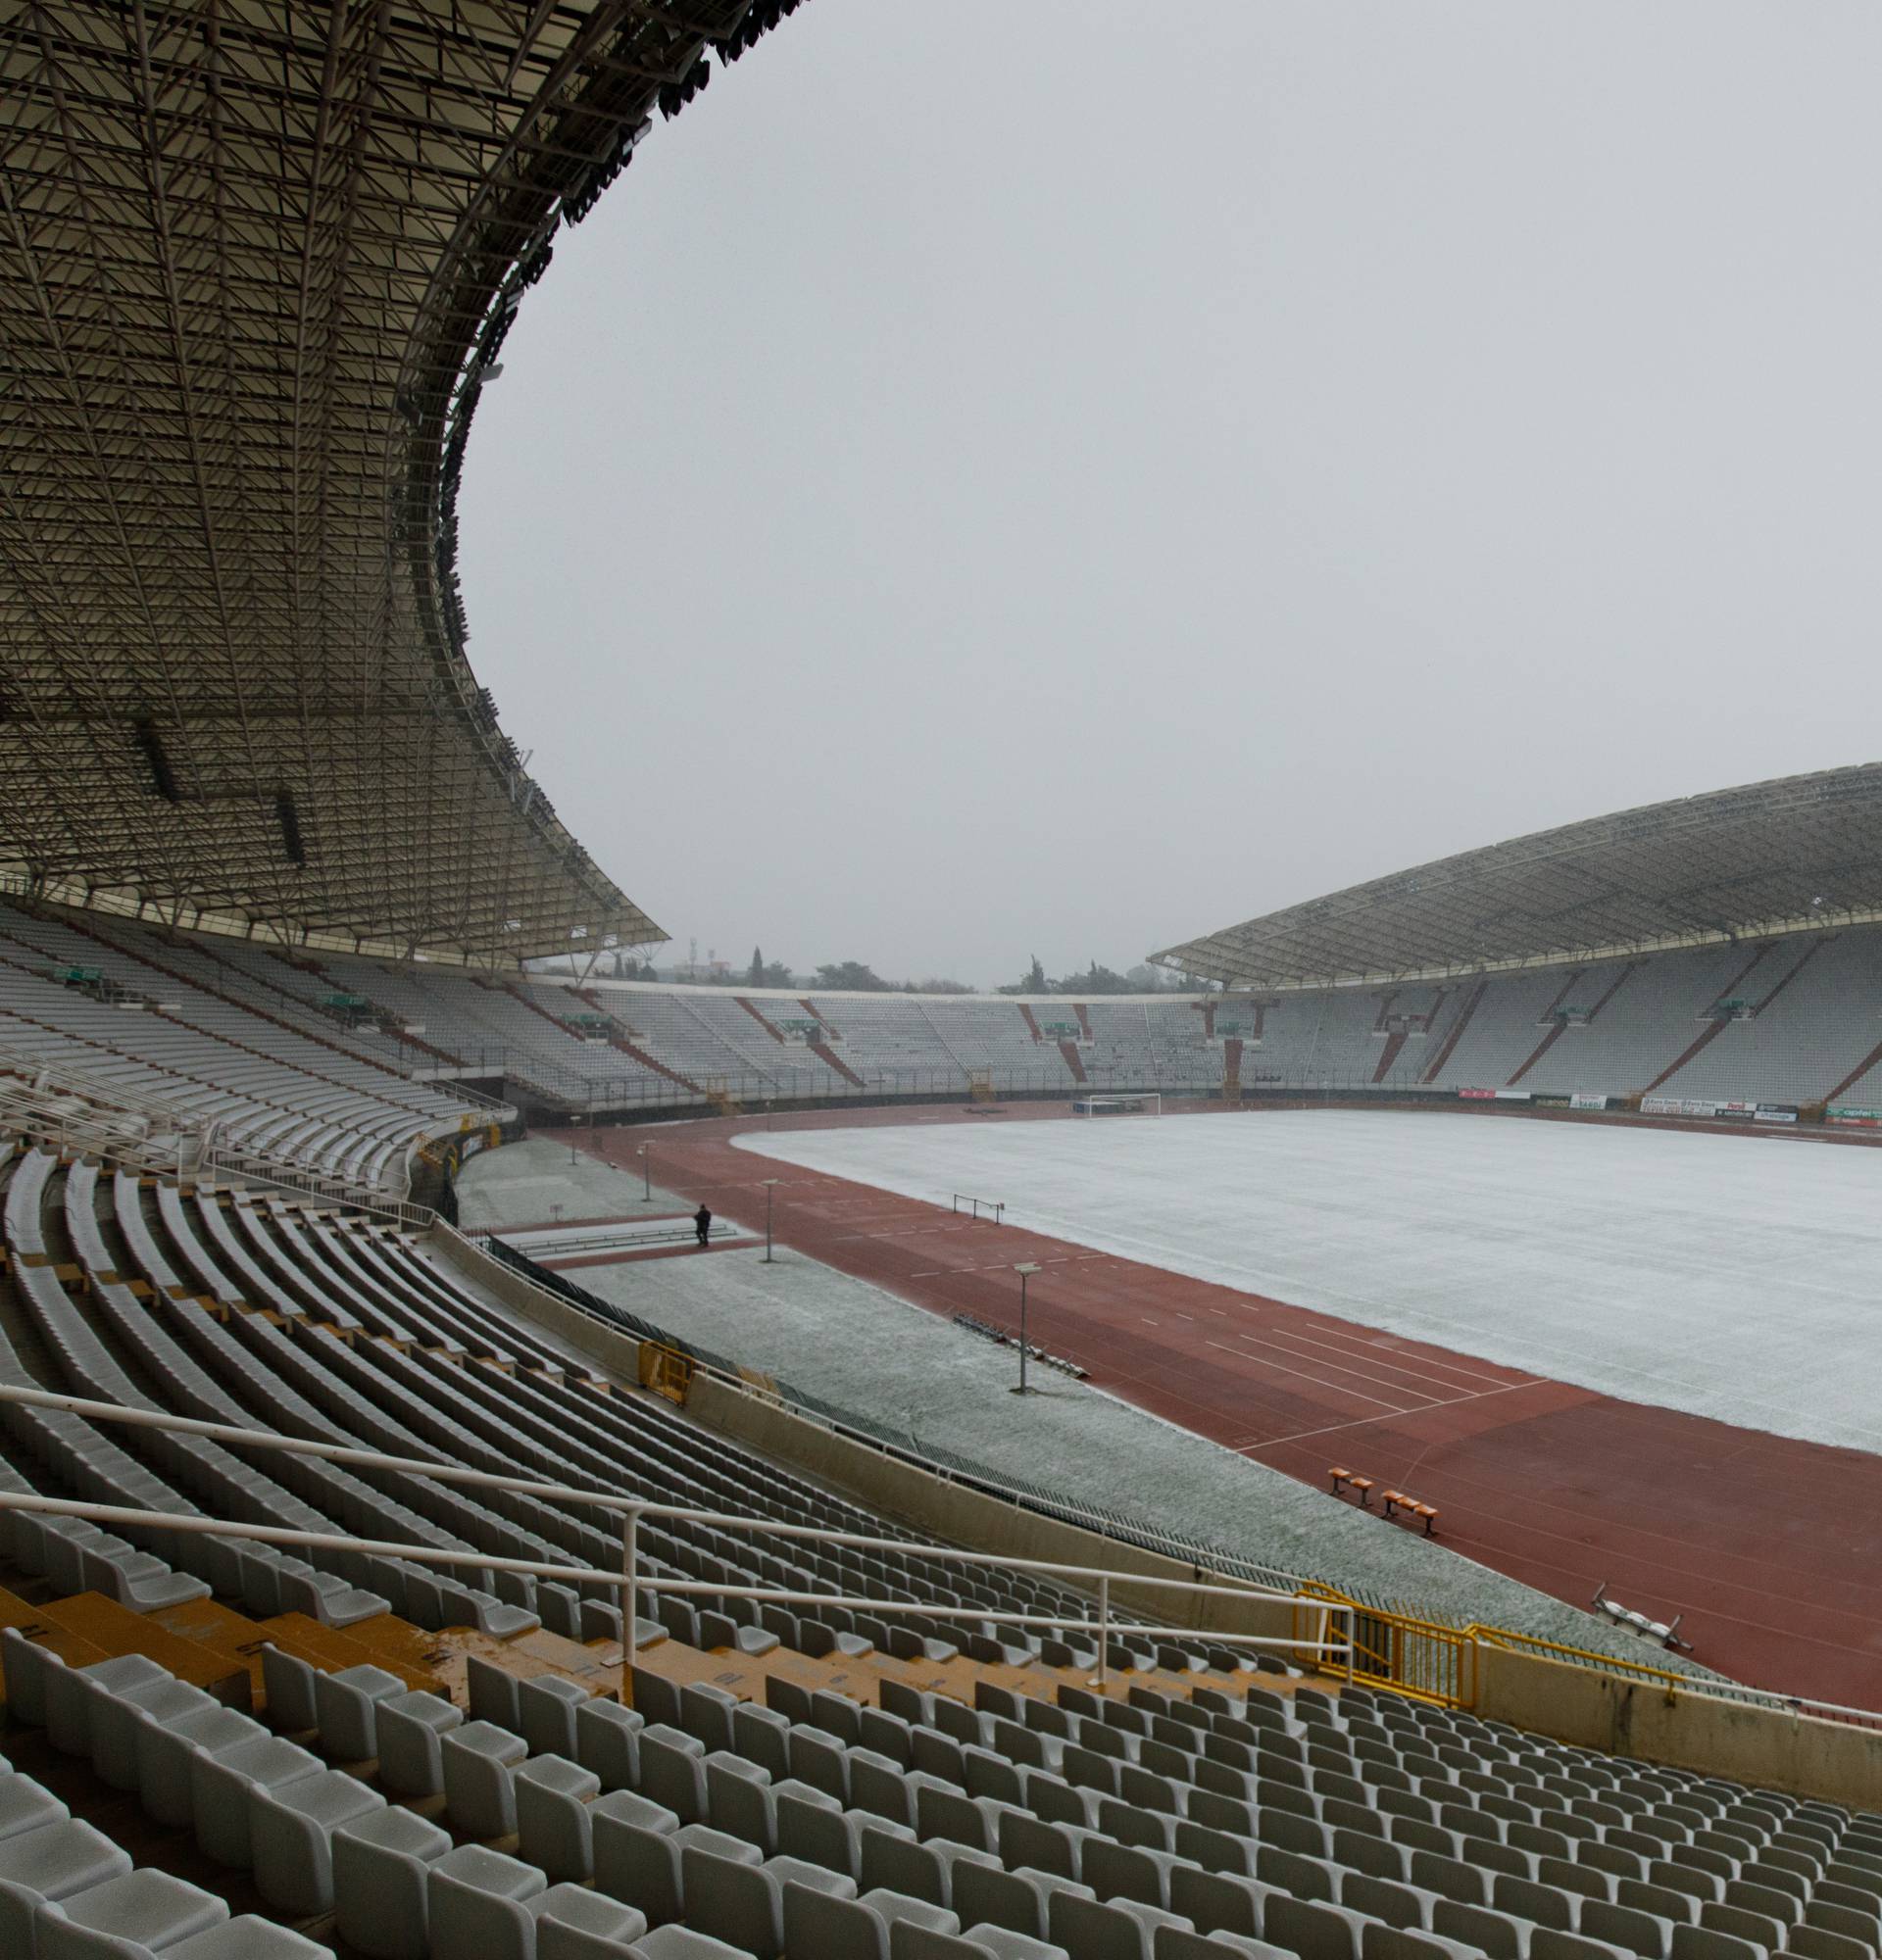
{"x":253,"y":1169}
{"x":633,"y":1511}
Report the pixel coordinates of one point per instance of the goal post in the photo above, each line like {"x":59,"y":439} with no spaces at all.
{"x":1148,"y":1103}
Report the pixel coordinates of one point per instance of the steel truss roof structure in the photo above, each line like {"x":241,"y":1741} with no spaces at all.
{"x":256,"y":260}
{"x":1800,"y":854}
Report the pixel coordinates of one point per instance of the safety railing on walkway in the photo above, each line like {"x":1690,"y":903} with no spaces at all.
{"x":1316,"y":1638}
{"x":1422,"y":1658}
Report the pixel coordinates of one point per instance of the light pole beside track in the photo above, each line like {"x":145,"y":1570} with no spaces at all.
{"x":770,"y":1185}
{"x":646,"y":1172}
{"x":1025,"y":1273}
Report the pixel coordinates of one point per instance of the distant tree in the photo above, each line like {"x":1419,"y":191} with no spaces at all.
{"x":851,"y":976}
{"x":943,"y":987}
{"x":757,"y":975}
{"x":1146,"y":979}
{"x":1033,"y":981}
{"x":1095,"y":979}
{"x":774,"y":973}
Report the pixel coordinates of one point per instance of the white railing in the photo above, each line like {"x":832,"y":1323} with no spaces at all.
{"x":630,"y":1580}
{"x":74,"y":1113}
{"x":248,"y":1167}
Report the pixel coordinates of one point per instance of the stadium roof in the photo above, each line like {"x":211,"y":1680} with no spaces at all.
{"x":256,"y":262}
{"x":1800,"y":854}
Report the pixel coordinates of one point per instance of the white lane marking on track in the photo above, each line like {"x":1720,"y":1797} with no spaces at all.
{"x":1371,"y":1350}
{"x":1340,"y":1368}
{"x":1363,"y":1421}
{"x":1321,"y":1380}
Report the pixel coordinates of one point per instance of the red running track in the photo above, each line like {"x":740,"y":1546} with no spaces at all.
{"x":1771,"y":1547}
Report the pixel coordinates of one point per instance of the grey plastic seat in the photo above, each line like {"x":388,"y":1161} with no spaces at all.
{"x":249,"y":1938}
{"x":705,"y":1714}
{"x":554,"y":1828}
{"x":743,"y":1903}
{"x":492,"y":1695}
{"x":167,"y":1754}
{"x":763,"y":1737}
{"x":291,"y":1833}
{"x":125,"y":1919}
{"x":345,"y":1704}
{"x":680,"y":1943}
{"x":720,"y":1629}
{"x":68,"y":1697}
{"x":25,"y":1805}
{"x":890,"y":1862}
{"x":883,"y":1787}
{"x":1095,"y":1930}
{"x":221,"y":1785}
{"x":1540,"y":1904}
{"x":819,"y":1759}
{"x":479,"y":1903}
{"x":26,"y":1665}
{"x":411,"y":1730}
{"x":909,"y":1941}
{"x":639,"y":1863}
{"x":1017,"y":1899}
{"x":673,"y":1770}
{"x":479,"y":1760}
{"x":1174,"y":1942}
{"x":546,"y":1708}
{"x":740,"y":1801}
{"x":288,"y":1683}
{"x":605,"y":1742}
{"x":380,"y":1864}
{"x":1126,"y":1871}
{"x":116,"y":1716}
{"x":1313,"y":1929}
{"x":1546,"y":1944}
{"x":1403,"y":1907}
{"x":1491,"y":1932}
{"x":1626,"y":1926}
{"x":576,"y":1923}
{"x":834,"y":1928}
{"x":657,"y":1699}
{"x":51,"y":1863}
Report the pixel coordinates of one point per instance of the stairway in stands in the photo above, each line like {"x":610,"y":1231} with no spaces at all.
{"x":617,"y":1039}
{"x":824,"y":1053}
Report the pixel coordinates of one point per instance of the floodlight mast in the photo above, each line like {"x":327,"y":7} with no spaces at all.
{"x":1025,"y":1273}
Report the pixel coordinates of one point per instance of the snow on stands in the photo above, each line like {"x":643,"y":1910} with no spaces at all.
{"x":1715,"y":1275}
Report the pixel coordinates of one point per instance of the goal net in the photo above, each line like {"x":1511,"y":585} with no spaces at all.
{"x":1150,"y":1103}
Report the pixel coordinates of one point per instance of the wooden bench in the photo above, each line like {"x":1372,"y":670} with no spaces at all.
{"x":1397,"y":1501}
{"x":1344,"y":1479}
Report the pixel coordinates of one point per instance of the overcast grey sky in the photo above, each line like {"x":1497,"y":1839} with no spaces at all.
{"x":997,"y":478}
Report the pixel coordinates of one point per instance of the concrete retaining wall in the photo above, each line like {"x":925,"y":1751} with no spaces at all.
{"x":617,"y":1353}
{"x":1689,"y":1732}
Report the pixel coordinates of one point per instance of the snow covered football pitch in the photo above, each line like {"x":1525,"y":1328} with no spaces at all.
{"x":1737,"y":1278}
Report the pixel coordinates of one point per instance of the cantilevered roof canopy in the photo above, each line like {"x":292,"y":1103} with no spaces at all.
{"x":1781,"y":857}
{"x":256,"y":260}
